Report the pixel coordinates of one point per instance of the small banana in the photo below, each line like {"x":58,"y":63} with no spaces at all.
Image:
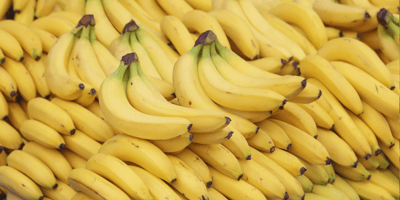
{"x":62,"y":192}
{"x":288,"y":161}
{"x":42,"y":134}
{"x":277,"y":134}
{"x":17,"y":183}
{"x":82,"y":144}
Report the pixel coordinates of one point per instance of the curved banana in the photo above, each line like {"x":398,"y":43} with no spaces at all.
{"x":42,"y":134}
{"x":200,"y":21}
{"x":252,"y":116}
{"x":288,"y":161}
{"x":148,"y":156}
{"x":316,"y":173}
{"x":8,"y":86}
{"x":70,"y":16}
{"x":177,"y":33}
{"x":371,"y":163}
{"x":52,"y":158}
{"x":219,"y":157}
{"x":45,"y":37}
{"x":118,"y":111}
{"x":177,"y":8}
{"x":358,"y":173}
{"x":37,"y":70}
{"x":116,"y":171}
{"x":53,"y":25}
{"x":33,"y":168}
{"x":371,"y":90}
{"x":305,"y":182}
{"x":388,"y":44}
{"x":305,"y":146}
{"x":386,"y":180}
{"x":153,"y":9}
{"x":392,"y":153}
{"x":121,"y":46}
{"x":331,"y":173}
{"x":392,"y":66}
{"x":82,"y":144}
{"x":75,"y":160}
{"x":93,"y":185}
{"x":393,"y":124}
{"x":174,"y":145}
{"x":309,"y":94}
{"x":277,"y":134}
{"x":290,"y":68}
{"x":320,"y":116}
{"x":24,"y":81}
{"x":43,"y":7}
{"x":269,"y":64}
{"x":9,"y":137}
{"x":383,"y":161}
{"x":262,"y":141}
{"x":16,"y":182}
{"x":315,"y":66}
{"x":4,"y":6}
{"x":344,"y":125}
{"x":366,"y":189}
{"x":215,"y":137}
{"x":85,"y":121}
{"x":87,"y":97}
{"x":19,"y":5}
{"x":105,"y":31}
{"x":11,"y":46}
{"x":214,"y":194}
{"x":343,"y":186}
{"x":197,"y":165}
{"x":238,"y":145}
{"x":239,"y":32}
{"x":63,"y":191}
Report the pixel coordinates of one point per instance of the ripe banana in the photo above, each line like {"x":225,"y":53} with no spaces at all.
{"x":239,"y":146}
{"x":343,"y":186}
{"x":53,"y":25}
{"x":262,"y":141}
{"x":358,"y":173}
{"x":252,"y":116}
{"x":82,"y":144}
{"x":386,"y":180}
{"x":277,"y":134}
{"x":366,"y":189}
{"x":392,"y":153}
{"x":142,"y":153}
{"x":43,"y":8}
{"x":269,"y":64}
{"x":177,"y":8}
{"x":37,"y":71}
{"x":288,"y":161}
{"x":383,"y":161}
{"x":310,"y":94}
{"x":177,"y":33}
{"x":75,"y":160}
{"x":306,"y":184}
{"x":174,"y":145}
{"x":33,"y":168}
{"x":17,"y":183}
{"x":153,"y":9}
{"x":320,"y":116}
{"x":371,"y":163}
{"x":331,"y":173}
{"x":329,"y":191}
{"x":62,"y":192}
{"x":215,"y":137}
{"x":387,"y":44}
{"x":42,"y":134}
{"x":8,"y":85}
{"x":11,"y":46}
{"x":316,"y":173}
{"x":9,"y":137}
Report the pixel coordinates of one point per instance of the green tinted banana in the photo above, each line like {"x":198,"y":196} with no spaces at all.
{"x":358,"y":173}
{"x":306,"y":184}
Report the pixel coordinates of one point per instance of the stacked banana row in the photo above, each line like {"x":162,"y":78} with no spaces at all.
{"x":249,"y":103}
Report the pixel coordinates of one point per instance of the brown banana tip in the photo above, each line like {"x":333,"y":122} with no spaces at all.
{"x":340,"y":33}
{"x":302,"y":197}
{"x":81,"y":86}
{"x":382,"y":16}
{"x":229,"y":135}
{"x":93,"y":91}
{"x":298,"y":72}
{"x":281,"y":107}
{"x":302,"y":170}
{"x":304,"y":83}
{"x":316,"y":136}
{"x":391,"y":145}
{"x":319,"y":94}
{"x":377,"y":152}
{"x":129,"y":58}
{"x":294,"y":64}
{"x":289,"y":146}
{"x":333,"y":181}
{"x":55,"y":186}
{"x":47,"y":96}
{"x":21,"y":146}
{"x":329,"y":180}
{"x":355,"y":164}
{"x":209,"y":183}
{"x":2,"y":60}
{"x":62,"y":146}
{"x":248,"y":157}
{"x":173,"y":94}
{"x":286,"y":196}
{"x":191,"y":137}
{"x":1,"y":149}
{"x":367,"y":15}
{"x":13,"y":93}
{"x":258,"y":128}
{"x":255,"y":57}
{"x":283,"y":61}
{"x":333,"y":127}
{"x":41,"y":198}
{"x":173,"y":180}
{"x":359,"y":36}
{"x":240,"y":176}
{"x":290,"y":58}
{"x":272,"y":149}
{"x":270,"y":112}
{"x":328,"y":161}
{"x":86,"y":20}
{"x":367,"y":156}
{"x":312,"y":188}
{"x":72,"y":132}
{"x":21,"y":59}
{"x":130,"y":27}
{"x":228,"y":120}
{"x":204,"y":198}
{"x":38,"y":58}
{"x":205,"y":38}
{"x":284,"y":102}
{"x":5,"y":118}
{"x":17,"y":11}
{"x":189,"y":127}
{"x":392,"y":88}
{"x":369,"y":177}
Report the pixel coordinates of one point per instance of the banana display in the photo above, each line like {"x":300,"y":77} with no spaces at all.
{"x":199,"y":99}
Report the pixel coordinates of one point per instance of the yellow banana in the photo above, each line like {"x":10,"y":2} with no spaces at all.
{"x":331,"y":173}
{"x":43,"y":7}
{"x":4,"y":113}
{"x":214,"y":194}
{"x":386,"y":180}
{"x":75,"y":160}
{"x":215,"y":137}
{"x":9,"y":137}
{"x":37,"y":71}
{"x":42,"y":134}
{"x":366,"y":189}
{"x":394,"y":170}
{"x":310,"y":94}
{"x":371,"y":163}
{"x":177,"y":33}
{"x":329,"y":191}
{"x":67,"y":15}
{"x":371,"y":39}
{"x":238,"y":145}
{"x":45,"y":37}
{"x":262,"y":141}
{"x":62,"y":192}
{"x":82,"y":144}
{"x":343,"y":186}
{"x":269,"y":64}
{"x":358,"y":173}
{"x":277,"y":134}
{"x":8,"y":85}
{"x":392,"y":153}
{"x":53,"y":25}
{"x":177,"y":8}
{"x":305,"y":182}
{"x":152,"y":8}
{"x":174,"y":145}
{"x":24,"y":15}
{"x":316,"y":173}
{"x":288,"y":161}
{"x":16,"y":182}
{"x":320,"y":116}
{"x":4,"y":6}
{"x":252,"y":116}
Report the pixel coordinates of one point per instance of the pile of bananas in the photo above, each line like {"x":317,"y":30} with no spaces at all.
{"x":199,"y":99}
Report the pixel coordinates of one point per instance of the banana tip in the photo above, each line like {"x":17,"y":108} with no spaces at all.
{"x":229,"y":135}
{"x":340,"y":33}
{"x":289,"y":146}
{"x":240,"y":176}
{"x":367,"y":156}
{"x":302,"y":197}
{"x":290,"y":58}
{"x":189,"y":127}
{"x":209,"y":183}
{"x":255,"y":57}
{"x":355,"y":164}
{"x":5,"y":118}
{"x":93,"y":91}
{"x":72,"y":132}
{"x":319,"y":94}
{"x":316,"y":136}
{"x":38,"y":58}
{"x":129,"y":58}
{"x":173,"y":95}
{"x":294,"y":64}
{"x":377,"y":152}
{"x":333,"y":181}
{"x":191,"y":137}
{"x":41,"y":198}
{"x":228,"y":120}
{"x":272,"y":149}
{"x":258,"y":128}
{"x":283,"y":61}
{"x":248,"y":157}
{"x":13,"y":93}
{"x":81,"y":86}
{"x":286,"y":196}
{"x":369,"y":177}
{"x":21,"y":58}
{"x":173,"y":180}
{"x":21,"y":146}
{"x":47,"y":96}
{"x":391,"y":145}
{"x":62,"y":146}
{"x":55,"y":186}
{"x":367,"y":15}
{"x":392,"y":88}
{"x":328,"y":161}
{"x":304,"y":83}
{"x":302,"y":170}
{"x":2,"y":60}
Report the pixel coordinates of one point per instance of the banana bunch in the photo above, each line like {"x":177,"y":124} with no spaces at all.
{"x":388,"y":34}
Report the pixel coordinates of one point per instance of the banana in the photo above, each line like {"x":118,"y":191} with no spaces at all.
{"x":17,"y":183}
{"x":44,"y":8}
{"x":277,"y":134}
{"x":394,"y":126}
{"x":215,"y":137}
{"x":358,"y":54}
{"x":306,"y":184}
{"x":338,"y":150}
{"x":329,"y":191}
{"x":386,"y":180}
{"x":292,"y":186}
{"x":164,"y":87}
{"x":366,"y":189}
{"x":305,"y":146}
{"x":85,"y":121}
{"x":75,"y":160}
{"x":176,"y":8}
{"x":367,"y":132}
{"x":76,"y":6}
{"x":358,"y":173}
{"x":289,"y":86}
{"x":45,"y":37}
{"x":239,"y":146}
{"x":19,"y":5}
{"x":119,"y":113}
{"x":93,"y":185}
{"x":37,"y":71}
{"x":82,"y":144}
{"x":371,"y":163}
{"x":371,"y":39}
{"x":4,"y":112}
{"x":288,"y":161}
{"x":343,"y":186}
{"x":8,"y":85}
{"x":394,"y":170}
{"x":392,"y":66}
{"x":25,"y":15}
{"x":197,"y":165}
{"x":312,"y":196}
{"x":174,"y":145}
{"x":145,"y":98}
{"x":331,"y":173}
{"x":315,"y":66}
{"x":121,"y":46}
{"x":333,"y":33}
{"x":372,"y":91}
{"x":384,"y":59}
{"x":105,"y":32}
{"x":190,"y":93}
{"x":9,"y":137}
{"x":53,"y":25}
{"x":269,"y":64}
{"x":87,"y":97}
{"x":383,"y":161}
{"x":150,"y":157}
{"x":4,"y":6}
{"x":296,"y":116}
{"x":392,"y":153}
{"x":200,"y":21}
{"x":177,"y":33}
{"x":33,"y":168}
{"x":239,"y":32}
{"x":344,"y":125}
{"x":220,"y":158}
{"x":234,"y":189}
{"x":309,"y":94}
{"x":80,"y":196}
{"x":51,"y":114}
{"x":214,"y":194}
{"x":24,"y":81}
{"x":117,"y":172}
{"x":153,"y":9}
{"x":384,"y":3}
{"x":42,"y":134}
{"x":290,"y":68}
{"x":388,"y":44}
{"x":252,"y":116}
{"x":62,"y":192}
{"x":262,"y":141}
{"x":320,"y":116}
{"x":316,"y":173}
{"x":138,"y":12}
{"x":52,"y":158}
